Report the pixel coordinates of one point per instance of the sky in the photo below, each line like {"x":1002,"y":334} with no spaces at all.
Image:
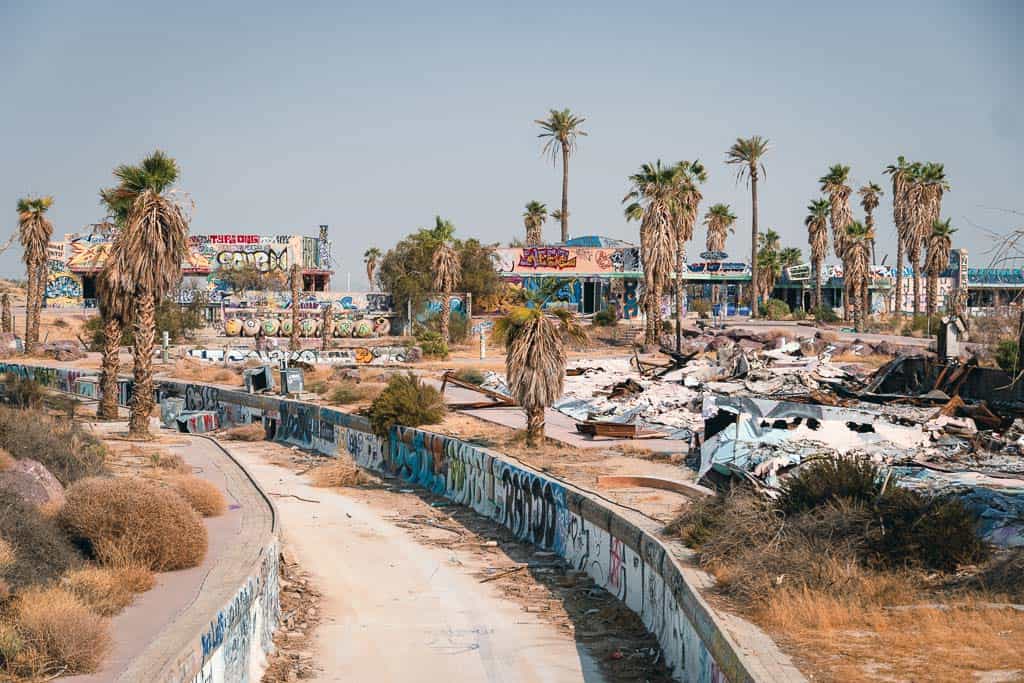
{"x":373,"y":117}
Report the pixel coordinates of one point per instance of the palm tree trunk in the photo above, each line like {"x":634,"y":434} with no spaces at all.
{"x":753,"y":244}
{"x":40,"y":295}
{"x":899,"y":276}
{"x":325,"y":328}
{"x":293,"y":341}
{"x":932,"y":294}
{"x":856,"y":305}
{"x":30,"y":297}
{"x":142,"y":393}
{"x":5,"y":317}
{"x":565,"y":193}
{"x":534,"y":425}
{"x":917,"y":287}
{"x":446,"y":315}
{"x":107,"y":408}
{"x":680,"y":260}
{"x":817,"y":285}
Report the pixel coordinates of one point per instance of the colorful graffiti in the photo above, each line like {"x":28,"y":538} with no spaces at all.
{"x":567,"y":260}
{"x":360,"y":355}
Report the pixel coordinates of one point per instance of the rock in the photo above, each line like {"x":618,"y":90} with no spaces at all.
{"x":884,"y":348}
{"x":32,"y":482}
{"x":64,"y":350}
{"x":720,"y":342}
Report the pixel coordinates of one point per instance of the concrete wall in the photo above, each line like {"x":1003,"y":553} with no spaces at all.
{"x":621,"y":554}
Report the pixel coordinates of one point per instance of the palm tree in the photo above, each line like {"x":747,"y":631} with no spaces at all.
{"x":940,"y":243}
{"x":869,"y":195}
{"x":688,"y":195}
{"x":747,"y":153}
{"x":856,"y":269}
{"x":561,"y":128}
{"x":556,"y":215}
{"x":325,"y":327}
{"x":535,"y":340}
{"x":533,"y":219}
{"x":834,"y":185}
{"x":901,"y":173}
{"x":6,"y":324}
{"x":932,"y":184}
{"x":145,"y":259}
{"x":447,"y":269}
{"x":817,"y":237}
{"x":34,"y":231}
{"x":719,"y":220}
{"x":370,"y":257}
{"x":653,"y":200}
{"x":769,"y":264}
{"x":295,"y":280}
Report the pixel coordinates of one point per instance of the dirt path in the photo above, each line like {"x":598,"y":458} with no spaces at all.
{"x":395,"y":609}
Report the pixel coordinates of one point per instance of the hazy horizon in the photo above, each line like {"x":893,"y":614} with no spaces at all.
{"x":374,"y":119}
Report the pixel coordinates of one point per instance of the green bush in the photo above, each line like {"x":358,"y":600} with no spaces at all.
{"x":408,"y":402}
{"x":180,"y":322}
{"x":606,"y":317}
{"x":775,"y":309}
{"x":921,"y":323}
{"x":823,"y":481}
{"x":825,"y":314}
{"x":458,"y":326}
{"x":432,"y":344}
{"x":1006,"y":355}
{"x":471,"y":375}
{"x":23,"y":392}
{"x":63,"y":447}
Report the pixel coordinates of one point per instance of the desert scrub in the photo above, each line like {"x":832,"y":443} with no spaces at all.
{"x":253,"y":431}
{"x":346,"y":392}
{"x":163,"y":460}
{"x":108,"y":590}
{"x":49,"y":632}
{"x":341,"y":471}
{"x":63,"y":447}
{"x":408,"y":402}
{"x":204,"y":497}
{"x":137,"y":521}
{"x":39,"y":551}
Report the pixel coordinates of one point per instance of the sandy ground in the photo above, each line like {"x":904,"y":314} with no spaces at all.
{"x":415,"y":589}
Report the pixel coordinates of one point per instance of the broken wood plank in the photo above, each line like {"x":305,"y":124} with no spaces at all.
{"x":618,"y":481}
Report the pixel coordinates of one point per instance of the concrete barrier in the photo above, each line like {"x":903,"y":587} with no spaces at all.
{"x":618,"y":549}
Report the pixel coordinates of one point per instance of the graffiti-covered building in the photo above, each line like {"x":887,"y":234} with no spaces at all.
{"x":75,"y":262}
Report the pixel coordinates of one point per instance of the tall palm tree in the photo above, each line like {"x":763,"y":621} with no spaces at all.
{"x":747,"y":154}
{"x":115,"y":309}
{"x":295,"y":280}
{"x":769,"y":264}
{"x":900,"y":173}
{"x":869,"y":195}
{"x":34,"y":231}
{"x":533,"y":220}
{"x":653,"y":200}
{"x":370,"y":257}
{"x":560,"y":131}
{"x":447,"y":269}
{"x":940,"y":243}
{"x":146,"y":260}
{"x":932,"y":184}
{"x":719,"y":220}
{"x":688,"y":177}
{"x":817,"y":237}
{"x":856,"y":269}
{"x":535,"y":340}
{"x":556,"y":215}
{"x":834,"y":185}
{"x":6,"y":324}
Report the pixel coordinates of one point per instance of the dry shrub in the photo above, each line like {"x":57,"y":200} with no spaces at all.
{"x":63,"y":447}
{"x":342,"y":471}
{"x":108,"y":590}
{"x":197,"y":371}
{"x":147,"y":524}
{"x":40,"y":550}
{"x":204,"y":497}
{"x":406,"y":401}
{"x":165,"y":460}
{"x":347,"y":391}
{"x":1003,"y":575}
{"x":6,"y":460}
{"x":253,"y":431}
{"x":49,"y":632}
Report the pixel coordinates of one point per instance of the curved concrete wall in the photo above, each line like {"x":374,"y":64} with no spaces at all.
{"x":620,"y":551}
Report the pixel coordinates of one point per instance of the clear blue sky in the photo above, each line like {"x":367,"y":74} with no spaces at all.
{"x":373,"y":116}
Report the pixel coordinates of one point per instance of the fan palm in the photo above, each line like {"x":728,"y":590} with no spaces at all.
{"x":447,"y":269}
{"x":653,"y":200}
{"x":856,"y":269}
{"x":533,"y":220}
{"x":560,"y":131}
{"x":817,"y":237}
{"x":535,"y":340}
{"x":34,"y":231}
{"x":900,"y":174}
{"x":370,"y":257}
{"x":834,"y":185}
{"x":869,"y":195}
{"x":295,"y":281}
{"x":747,"y":155}
{"x":940,"y":243}
{"x":933,"y":185}
{"x":145,"y":259}
{"x":719,"y":220}
{"x":769,"y":264}
{"x":6,"y":325}
{"x":688,"y":176}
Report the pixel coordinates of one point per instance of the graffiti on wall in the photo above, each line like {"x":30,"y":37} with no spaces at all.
{"x":361,"y":355}
{"x":567,"y":260}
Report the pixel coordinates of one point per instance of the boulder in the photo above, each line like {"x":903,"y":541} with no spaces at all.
{"x":884,"y":348}
{"x":32,"y":482}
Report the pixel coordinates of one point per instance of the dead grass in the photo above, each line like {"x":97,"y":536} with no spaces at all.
{"x":135,"y":521}
{"x":108,"y":590}
{"x":49,"y":632}
{"x":204,"y":497}
{"x":873,"y":360}
{"x":197,"y":371}
{"x":342,"y":471}
{"x":7,"y":556}
{"x":347,"y":392}
{"x":253,"y":431}
{"x":163,"y":460}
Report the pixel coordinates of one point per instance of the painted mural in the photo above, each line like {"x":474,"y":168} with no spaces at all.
{"x":567,"y":260}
